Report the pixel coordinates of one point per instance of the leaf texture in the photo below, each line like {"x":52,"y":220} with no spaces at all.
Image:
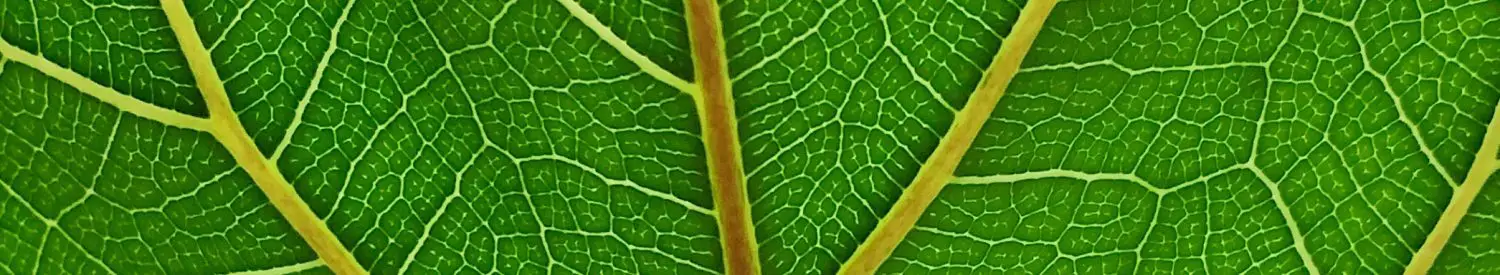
{"x":555,"y":136}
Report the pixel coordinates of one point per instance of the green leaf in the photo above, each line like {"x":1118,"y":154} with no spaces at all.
{"x":511,"y":136}
{"x":1258,"y":137}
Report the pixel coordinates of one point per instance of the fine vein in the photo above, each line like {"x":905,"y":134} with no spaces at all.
{"x":938,"y":170}
{"x":107,"y":95}
{"x":1484,"y":165}
{"x":721,"y":137}
{"x":225,"y":126}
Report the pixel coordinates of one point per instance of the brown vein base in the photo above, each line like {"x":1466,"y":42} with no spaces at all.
{"x":938,"y":170}
{"x":721,"y":138}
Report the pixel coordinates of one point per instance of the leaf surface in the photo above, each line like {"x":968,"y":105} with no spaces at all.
{"x":541,"y":136}
{"x":1237,"y":137}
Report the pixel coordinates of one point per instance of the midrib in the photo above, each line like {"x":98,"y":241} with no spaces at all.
{"x":721,"y":138}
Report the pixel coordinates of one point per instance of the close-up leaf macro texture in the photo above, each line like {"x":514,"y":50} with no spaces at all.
{"x":749,"y":137}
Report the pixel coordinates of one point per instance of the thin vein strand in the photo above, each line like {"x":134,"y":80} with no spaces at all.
{"x":1060,"y":173}
{"x":106,"y":94}
{"x":225,"y":126}
{"x":286,"y":269}
{"x":1298,"y":242}
{"x":312,"y":86}
{"x":639,"y":59}
{"x":938,"y":170}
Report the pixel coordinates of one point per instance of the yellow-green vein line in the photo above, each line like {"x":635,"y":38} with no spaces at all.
{"x":938,"y":170}
{"x":107,"y":95}
{"x":1480,"y":171}
{"x":225,"y":126}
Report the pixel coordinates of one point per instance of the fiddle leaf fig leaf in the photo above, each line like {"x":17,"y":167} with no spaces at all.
{"x":620,"y":137}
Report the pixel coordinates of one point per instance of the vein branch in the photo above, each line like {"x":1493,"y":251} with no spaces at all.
{"x":108,"y":95}
{"x":1485,"y":164}
{"x":640,"y":60}
{"x":721,"y":137}
{"x":286,"y":269}
{"x":225,"y":126}
{"x":938,"y":170}
{"x":1062,"y":173}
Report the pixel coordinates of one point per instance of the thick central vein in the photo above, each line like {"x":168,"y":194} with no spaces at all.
{"x":226,"y":127}
{"x":721,"y":137}
{"x":938,"y":169}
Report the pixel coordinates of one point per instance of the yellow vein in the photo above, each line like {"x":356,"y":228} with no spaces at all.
{"x":287,"y":269}
{"x":225,"y":126}
{"x":639,"y":59}
{"x":1059,"y":173}
{"x":107,"y":95}
{"x":721,"y":137}
{"x":1480,"y":171}
{"x":1093,"y":176}
{"x":938,"y":170}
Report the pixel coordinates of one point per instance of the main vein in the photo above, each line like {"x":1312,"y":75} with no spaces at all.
{"x":715,"y":107}
{"x":938,"y":170}
{"x":721,"y":137}
{"x":225,"y":126}
{"x":1485,"y":164}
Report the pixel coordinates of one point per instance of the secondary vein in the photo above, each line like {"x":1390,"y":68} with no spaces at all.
{"x":225,"y":126}
{"x":107,"y":95}
{"x":1480,"y":171}
{"x":938,"y":170}
{"x":640,"y":60}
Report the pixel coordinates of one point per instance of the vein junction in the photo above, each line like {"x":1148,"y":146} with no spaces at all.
{"x":226,"y":127}
{"x":938,"y":170}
